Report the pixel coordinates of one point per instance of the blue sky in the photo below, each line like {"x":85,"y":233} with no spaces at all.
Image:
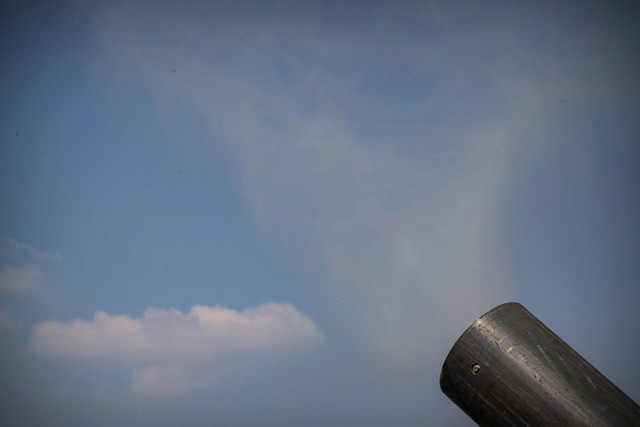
{"x":234,"y":213}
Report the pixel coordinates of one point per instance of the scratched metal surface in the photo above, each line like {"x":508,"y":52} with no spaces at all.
{"x":509,"y":369}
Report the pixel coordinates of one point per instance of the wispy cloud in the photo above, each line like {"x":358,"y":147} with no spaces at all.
{"x":21,"y":278}
{"x":22,"y":266}
{"x":166,"y":380}
{"x":32,"y":253}
{"x":204,"y":333}
{"x":6,"y":321}
{"x":395,"y":197}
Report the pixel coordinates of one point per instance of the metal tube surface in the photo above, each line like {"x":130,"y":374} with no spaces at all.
{"x":509,"y":369}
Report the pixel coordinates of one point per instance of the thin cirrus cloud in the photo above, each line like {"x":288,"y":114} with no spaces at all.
{"x":169,"y":380}
{"x":21,"y":278}
{"x":22,"y":270}
{"x":6,"y":322}
{"x":32,"y":252}
{"x":170,"y":336}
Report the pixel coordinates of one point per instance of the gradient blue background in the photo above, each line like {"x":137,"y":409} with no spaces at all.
{"x":391,"y":170}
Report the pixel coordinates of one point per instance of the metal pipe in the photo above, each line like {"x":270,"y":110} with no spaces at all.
{"x":509,"y":369}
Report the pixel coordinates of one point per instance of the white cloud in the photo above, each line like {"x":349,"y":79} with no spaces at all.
{"x":158,"y":380}
{"x":21,"y":278}
{"x":172,"y":336}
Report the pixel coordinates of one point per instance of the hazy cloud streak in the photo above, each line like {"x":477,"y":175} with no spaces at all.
{"x":33,"y":253}
{"x":21,"y":278}
{"x":158,"y":380}
{"x":22,"y":269}
{"x":400,"y":194}
{"x":382,"y":154}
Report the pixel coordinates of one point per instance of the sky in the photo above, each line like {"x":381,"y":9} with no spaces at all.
{"x":285,"y":213}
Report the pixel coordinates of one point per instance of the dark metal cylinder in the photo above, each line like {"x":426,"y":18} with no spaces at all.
{"x":509,"y":369}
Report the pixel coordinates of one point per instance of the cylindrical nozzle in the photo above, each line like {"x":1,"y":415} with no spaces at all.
{"x":509,"y":369}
